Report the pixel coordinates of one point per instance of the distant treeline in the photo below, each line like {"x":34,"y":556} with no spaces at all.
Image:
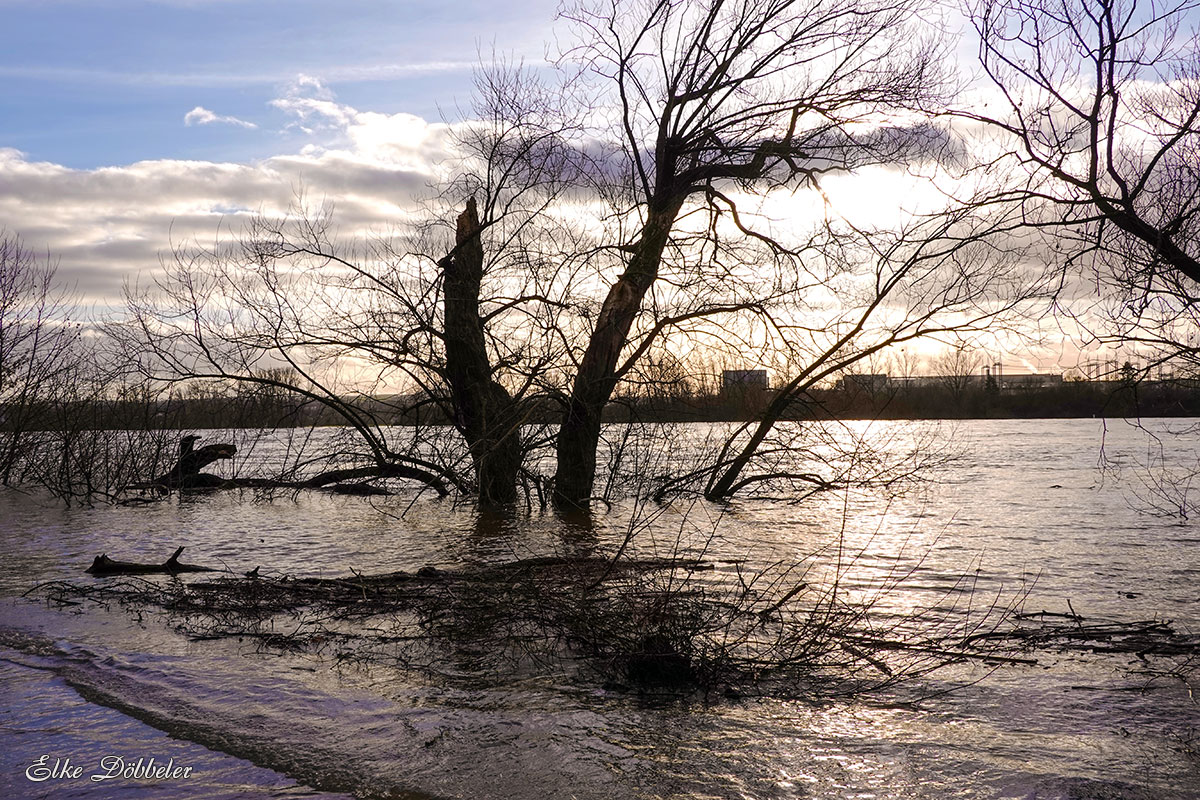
{"x":1069,"y":399}
{"x":889,"y":400}
{"x":145,"y":411}
{"x":899,"y":400}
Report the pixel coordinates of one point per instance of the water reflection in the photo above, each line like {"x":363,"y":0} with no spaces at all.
{"x":1080,"y":728}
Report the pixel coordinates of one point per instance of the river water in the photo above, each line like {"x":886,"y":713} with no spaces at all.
{"x":1063,"y":513}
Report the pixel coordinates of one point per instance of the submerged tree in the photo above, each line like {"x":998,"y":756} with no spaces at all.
{"x":640,"y":213}
{"x":953,"y":272}
{"x":484,"y":410}
{"x":415,"y":330}
{"x":714,"y":105}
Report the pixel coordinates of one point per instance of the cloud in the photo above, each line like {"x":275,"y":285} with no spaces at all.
{"x":308,"y":86}
{"x":345,"y":133}
{"x":112,"y":224}
{"x":202,"y":116}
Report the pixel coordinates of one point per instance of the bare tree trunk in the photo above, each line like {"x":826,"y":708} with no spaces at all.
{"x":579,"y":435}
{"x":724,"y":486}
{"x":484,"y":410}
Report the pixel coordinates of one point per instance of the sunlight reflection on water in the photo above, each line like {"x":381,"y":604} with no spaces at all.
{"x":1026,"y":503}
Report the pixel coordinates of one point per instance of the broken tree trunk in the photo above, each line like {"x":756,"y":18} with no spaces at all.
{"x":186,"y":474}
{"x":103,"y":565}
{"x":484,"y":411}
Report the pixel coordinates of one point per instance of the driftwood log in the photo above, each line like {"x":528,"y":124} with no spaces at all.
{"x":186,"y":473}
{"x":103,"y":565}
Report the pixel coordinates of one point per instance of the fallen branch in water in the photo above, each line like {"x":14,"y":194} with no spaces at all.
{"x":187,"y":475}
{"x":1139,"y":638}
{"x":669,"y":624}
{"x":103,"y":565}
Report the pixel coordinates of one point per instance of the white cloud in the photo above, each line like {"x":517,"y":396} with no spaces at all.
{"x":308,"y":86}
{"x":202,"y":116}
{"x":397,"y":140}
{"x":111,"y":224}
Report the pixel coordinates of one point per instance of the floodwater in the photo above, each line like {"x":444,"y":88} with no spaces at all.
{"x":1026,"y":511}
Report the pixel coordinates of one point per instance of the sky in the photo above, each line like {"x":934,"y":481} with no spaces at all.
{"x":127,"y":125}
{"x":95,"y":83}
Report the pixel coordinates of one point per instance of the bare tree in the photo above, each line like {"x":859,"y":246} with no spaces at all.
{"x":37,"y":348}
{"x":1099,"y":108}
{"x":484,"y":409}
{"x":951,"y":273}
{"x":66,"y":428}
{"x":271,"y":310}
{"x":506,"y":281}
{"x":958,"y":371}
{"x":1100,"y":103}
{"x":711,"y":101}
{"x":613,"y":225}
{"x":420,"y":328}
